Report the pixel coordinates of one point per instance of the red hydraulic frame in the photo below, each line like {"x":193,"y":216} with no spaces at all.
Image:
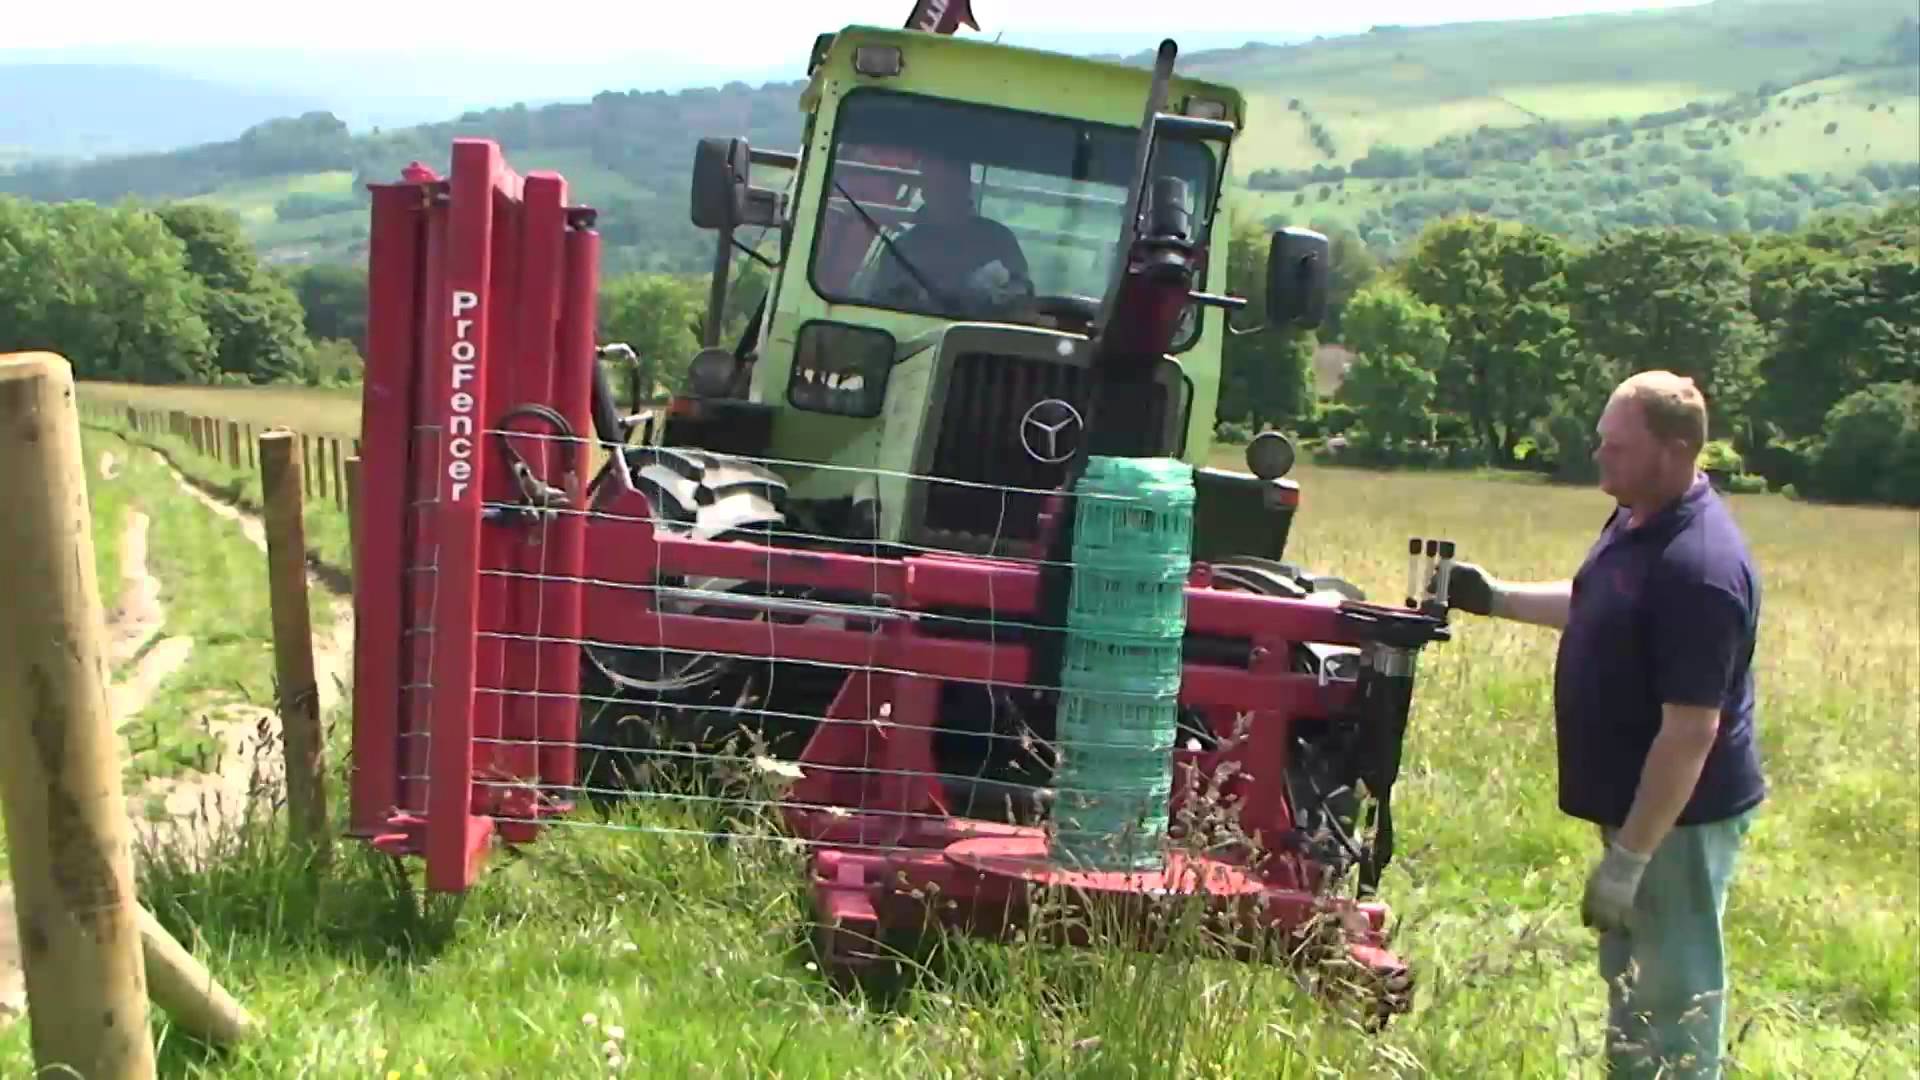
{"x":469,"y":623}
{"x":482,"y":297}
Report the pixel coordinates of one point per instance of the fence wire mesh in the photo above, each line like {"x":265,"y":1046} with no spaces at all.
{"x":707,"y":696}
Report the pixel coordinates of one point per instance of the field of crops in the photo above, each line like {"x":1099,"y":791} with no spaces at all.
{"x":624,"y":951}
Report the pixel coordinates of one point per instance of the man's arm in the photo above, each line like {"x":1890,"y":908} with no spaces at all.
{"x":1671,"y":770}
{"x":1541,"y":603}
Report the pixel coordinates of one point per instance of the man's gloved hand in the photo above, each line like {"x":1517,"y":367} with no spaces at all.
{"x":1608,"y":903}
{"x":1469,"y":588}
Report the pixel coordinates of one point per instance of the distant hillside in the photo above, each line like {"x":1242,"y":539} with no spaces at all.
{"x":298,"y":183}
{"x":80,"y":110}
{"x":1736,"y":115}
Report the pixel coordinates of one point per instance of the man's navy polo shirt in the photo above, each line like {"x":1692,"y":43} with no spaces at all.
{"x":1663,"y":613}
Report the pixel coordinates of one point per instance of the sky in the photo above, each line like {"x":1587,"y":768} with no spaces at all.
{"x":737,"y":33}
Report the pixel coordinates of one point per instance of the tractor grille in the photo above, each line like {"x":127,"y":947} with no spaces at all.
{"x":978,"y":443}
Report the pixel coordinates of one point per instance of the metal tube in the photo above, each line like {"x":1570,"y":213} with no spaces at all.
{"x":1142,"y":156}
{"x":717,"y":290}
{"x":779,"y":604}
{"x":1413,"y":572}
{"x":1433,"y":566}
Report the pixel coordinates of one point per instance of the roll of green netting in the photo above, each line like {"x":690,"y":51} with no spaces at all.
{"x":1134,"y":507}
{"x":1118,"y":713}
{"x":1133,"y":593}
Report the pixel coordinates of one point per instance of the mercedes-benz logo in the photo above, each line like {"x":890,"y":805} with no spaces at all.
{"x":1054,"y":425}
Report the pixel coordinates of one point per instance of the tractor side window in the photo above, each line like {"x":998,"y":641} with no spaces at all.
{"x":841,"y":369}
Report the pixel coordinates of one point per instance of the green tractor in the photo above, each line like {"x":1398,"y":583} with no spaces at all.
{"x":992,"y":262}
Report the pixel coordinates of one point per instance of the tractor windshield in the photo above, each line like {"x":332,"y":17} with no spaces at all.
{"x":971,"y":212}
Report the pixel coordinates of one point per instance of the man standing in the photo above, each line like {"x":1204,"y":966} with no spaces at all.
{"x":1654,"y":719}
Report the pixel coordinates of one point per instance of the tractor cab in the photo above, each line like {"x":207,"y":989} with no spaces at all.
{"x":991,"y":263}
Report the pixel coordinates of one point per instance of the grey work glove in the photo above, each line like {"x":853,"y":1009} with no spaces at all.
{"x":1608,"y":903}
{"x":1469,"y":588}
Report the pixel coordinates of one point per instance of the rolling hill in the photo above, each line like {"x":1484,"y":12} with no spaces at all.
{"x":1734,"y":115}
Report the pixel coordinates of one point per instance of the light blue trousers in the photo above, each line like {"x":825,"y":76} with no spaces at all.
{"x":1667,"y":977}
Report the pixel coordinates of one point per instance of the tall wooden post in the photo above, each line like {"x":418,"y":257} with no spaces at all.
{"x":339,"y":475}
{"x":69,"y":840}
{"x":281,"y":470}
{"x":354,"y":502}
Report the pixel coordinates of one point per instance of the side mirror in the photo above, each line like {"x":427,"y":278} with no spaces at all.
{"x":720,"y":183}
{"x":1297,"y":278}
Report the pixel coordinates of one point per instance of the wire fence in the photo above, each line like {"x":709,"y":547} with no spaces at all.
{"x":682,"y":648}
{"x":833,"y":688}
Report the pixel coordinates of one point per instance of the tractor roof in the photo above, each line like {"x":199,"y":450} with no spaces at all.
{"x":1013,"y":76}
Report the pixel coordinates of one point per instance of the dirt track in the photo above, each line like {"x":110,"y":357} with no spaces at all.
{"x":248,"y":735}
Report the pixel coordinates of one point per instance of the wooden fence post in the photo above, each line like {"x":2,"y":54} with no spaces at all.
{"x":299,"y":693}
{"x":233,"y":444}
{"x":339,"y":476}
{"x":353,"y":512}
{"x":69,"y":840}
{"x":183,"y":987}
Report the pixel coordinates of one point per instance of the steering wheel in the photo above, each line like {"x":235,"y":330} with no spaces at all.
{"x":1068,"y":308}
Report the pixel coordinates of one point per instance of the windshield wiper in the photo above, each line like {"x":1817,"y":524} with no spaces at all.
{"x":932,"y":293}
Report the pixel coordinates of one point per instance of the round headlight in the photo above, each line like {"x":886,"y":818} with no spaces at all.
{"x":1270,"y":455}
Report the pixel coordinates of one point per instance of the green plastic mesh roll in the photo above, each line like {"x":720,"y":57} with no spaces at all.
{"x":1120,"y":679}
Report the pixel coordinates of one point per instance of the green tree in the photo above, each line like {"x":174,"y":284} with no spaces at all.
{"x":1871,"y":447}
{"x":1265,"y":378}
{"x":1501,"y":287}
{"x":333,"y":299}
{"x":109,"y":289}
{"x":1843,"y":314}
{"x":258,"y":325}
{"x":1675,"y":299}
{"x":658,"y":316}
{"x":1401,"y":342}
{"x":32,"y":267}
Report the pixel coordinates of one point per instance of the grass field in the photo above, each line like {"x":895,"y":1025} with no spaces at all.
{"x":631,"y":951}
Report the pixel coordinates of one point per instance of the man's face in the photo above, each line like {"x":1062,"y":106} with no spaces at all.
{"x":1632,"y":461}
{"x":947,"y":188}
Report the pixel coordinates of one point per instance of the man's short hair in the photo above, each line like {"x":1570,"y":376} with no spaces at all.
{"x":1673,"y":406}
